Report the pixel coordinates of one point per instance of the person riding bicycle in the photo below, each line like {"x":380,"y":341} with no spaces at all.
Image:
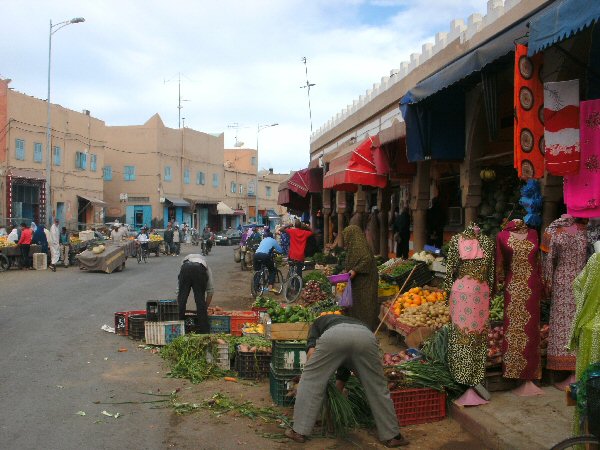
{"x":263,"y":256}
{"x":298,"y":236}
{"x":254,"y":239}
{"x":143,"y":238}
{"x":208,"y":237}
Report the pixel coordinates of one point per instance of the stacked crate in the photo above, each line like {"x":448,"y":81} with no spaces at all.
{"x":162,"y":322}
{"x":287,"y":361}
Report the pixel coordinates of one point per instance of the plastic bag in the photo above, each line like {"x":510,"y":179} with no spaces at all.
{"x":346,"y":299}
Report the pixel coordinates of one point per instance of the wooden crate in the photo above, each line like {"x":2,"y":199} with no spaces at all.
{"x":289,"y":331}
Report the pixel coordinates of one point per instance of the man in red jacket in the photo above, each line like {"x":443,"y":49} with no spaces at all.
{"x":298,"y":237}
{"x":24,"y":245}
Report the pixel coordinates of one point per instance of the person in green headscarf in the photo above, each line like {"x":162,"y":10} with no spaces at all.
{"x":361,"y":265}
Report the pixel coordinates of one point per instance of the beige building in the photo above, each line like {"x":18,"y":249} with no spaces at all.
{"x":153,"y":174}
{"x":268,"y":185}
{"x":77,"y":144}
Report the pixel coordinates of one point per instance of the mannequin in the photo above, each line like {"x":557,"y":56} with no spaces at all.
{"x":566,"y":242}
{"x":469,"y":281}
{"x":517,"y":265}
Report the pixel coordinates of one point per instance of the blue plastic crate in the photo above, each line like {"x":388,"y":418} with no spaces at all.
{"x":219,"y":324}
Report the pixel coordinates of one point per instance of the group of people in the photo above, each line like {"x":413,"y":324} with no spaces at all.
{"x":53,"y":242}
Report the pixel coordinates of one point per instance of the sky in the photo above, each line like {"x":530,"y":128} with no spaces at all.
{"x":239,"y":61}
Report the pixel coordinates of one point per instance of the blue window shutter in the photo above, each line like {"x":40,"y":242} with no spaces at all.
{"x":57,"y":156}
{"x":147,"y":213}
{"x":84,"y":161}
{"x":107,"y":172}
{"x":186,"y":176}
{"x":129,"y":215}
{"x":37,"y":152}
{"x":93,"y":163}
{"x":20,"y":149}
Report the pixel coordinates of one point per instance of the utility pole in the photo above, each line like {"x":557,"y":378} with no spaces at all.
{"x":179,"y":106}
{"x":307,"y":86}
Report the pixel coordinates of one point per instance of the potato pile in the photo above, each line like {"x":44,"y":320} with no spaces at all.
{"x":433,"y":315}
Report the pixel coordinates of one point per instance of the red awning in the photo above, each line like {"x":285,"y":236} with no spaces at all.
{"x":305,"y":181}
{"x":366,"y":165}
{"x":291,"y":200}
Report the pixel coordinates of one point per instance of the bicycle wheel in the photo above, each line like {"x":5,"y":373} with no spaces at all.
{"x":4,"y":263}
{"x":278,"y":284}
{"x":145,"y":256}
{"x":592,"y":443}
{"x":139,"y":255}
{"x":293,"y":288}
{"x":256,"y":285}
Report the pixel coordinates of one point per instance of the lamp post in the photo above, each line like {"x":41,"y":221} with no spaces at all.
{"x":259,"y":128}
{"x":53,"y":29}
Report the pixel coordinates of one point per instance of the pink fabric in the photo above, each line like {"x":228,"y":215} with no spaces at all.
{"x":582,"y":191}
{"x":469,"y":304}
{"x":469,"y":249}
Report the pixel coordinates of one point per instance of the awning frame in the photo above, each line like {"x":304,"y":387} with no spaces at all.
{"x":178,"y":202}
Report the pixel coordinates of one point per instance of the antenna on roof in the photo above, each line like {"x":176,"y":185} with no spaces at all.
{"x":307,"y":86}
{"x":236,"y":126}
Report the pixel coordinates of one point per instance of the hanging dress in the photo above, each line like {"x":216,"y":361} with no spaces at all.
{"x":469,"y":279}
{"x":517,"y":265}
{"x":566,"y":258}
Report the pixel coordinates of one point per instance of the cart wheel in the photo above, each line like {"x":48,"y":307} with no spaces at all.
{"x":4,"y":263}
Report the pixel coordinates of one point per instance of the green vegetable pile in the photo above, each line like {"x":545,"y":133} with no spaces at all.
{"x":329,"y":304}
{"x":422,"y":374}
{"x":265,"y":301}
{"x":320,"y":278}
{"x":435,"y":348}
{"x":290,"y":314}
{"x":497,"y":308}
{"x":398,"y":268}
{"x":341,"y":413}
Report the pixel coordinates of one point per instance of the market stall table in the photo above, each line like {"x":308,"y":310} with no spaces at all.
{"x":111,"y":259}
{"x":13,"y":254}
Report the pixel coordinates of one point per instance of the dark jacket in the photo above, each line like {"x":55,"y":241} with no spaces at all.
{"x":168,"y":235}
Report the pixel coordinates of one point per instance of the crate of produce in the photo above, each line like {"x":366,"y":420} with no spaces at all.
{"x":239,"y":318}
{"x":289,"y":356}
{"x":289,"y":331}
{"x":220,"y":324}
{"x":252,"y":365}
{"x":421,"y":405}
{"x":221,"y":354}
{"x":162,"y":333}
{"x":136,"y":326}
{"x":280,"y":386}
{"x":122,"y":321}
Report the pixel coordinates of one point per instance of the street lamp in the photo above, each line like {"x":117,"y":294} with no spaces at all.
{"x":53,"y":29}
{"x":259,"y":128}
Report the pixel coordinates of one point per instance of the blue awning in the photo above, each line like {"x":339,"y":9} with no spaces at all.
{"x":559,"y":21}
{"x":493,"y":49}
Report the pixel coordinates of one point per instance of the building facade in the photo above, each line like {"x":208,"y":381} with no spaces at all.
{"x":77,"y":143}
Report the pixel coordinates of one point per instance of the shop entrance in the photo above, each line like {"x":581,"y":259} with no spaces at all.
{"x":26,"y":203}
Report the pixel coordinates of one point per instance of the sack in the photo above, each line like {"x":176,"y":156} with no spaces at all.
{"x":346,"y":299}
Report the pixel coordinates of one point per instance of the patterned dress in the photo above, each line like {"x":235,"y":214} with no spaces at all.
{"x":517,"y":265}
{"x":566,"y":258}
{"x":469,"y":278}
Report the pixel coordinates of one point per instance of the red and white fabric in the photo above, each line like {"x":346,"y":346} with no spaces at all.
{"x":561,"y":127}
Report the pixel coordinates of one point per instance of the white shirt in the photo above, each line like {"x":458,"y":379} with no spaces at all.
{"x":143,"y":237}
{"x":13,"y":236}
{"x":55,"y":234}
{"x":197,"y":258}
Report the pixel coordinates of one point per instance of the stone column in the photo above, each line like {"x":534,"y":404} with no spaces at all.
{"x":419,"y":202}
{"x":326,"y":216}
{"x":383,"y":205}
{"x":341,"y":210}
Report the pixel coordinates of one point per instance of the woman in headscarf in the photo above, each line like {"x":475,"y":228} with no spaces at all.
{"x":361,"y":265}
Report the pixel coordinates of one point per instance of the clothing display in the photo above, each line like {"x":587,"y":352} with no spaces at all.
{"x":593,"y":234}
{"x":518,"y":267}
{"x":529,"y":114}
{"x":582,"y":191}
{"x":567,"y":255}
{"x":561,"y":127}
{"x":469,"y":281}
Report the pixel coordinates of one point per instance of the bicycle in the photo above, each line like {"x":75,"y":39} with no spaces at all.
{"x":142,"y":253}
{"x":260,"y":281}
{"x":293,"y":282}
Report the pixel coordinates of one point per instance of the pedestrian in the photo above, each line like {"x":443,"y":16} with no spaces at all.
{"x":25,"y":245}
{"x":195,"y":275}
{"x":115,"y":234}
{"x":13,"y":236}
{"x":264,"y":256}
{"x":364,"y":277}
{"x":40,"y":238}
{"x":435,"y":221}
{"x":298,"y":236}
{"x":176,"y":241}
{"x":168,"y":237}
{"x":401,"y":230}
{"x":54,"y":244}
{"x":343,"y":344}
{"x":64,"y":246}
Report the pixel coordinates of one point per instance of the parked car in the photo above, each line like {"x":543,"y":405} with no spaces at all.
{"x":228,"y":237}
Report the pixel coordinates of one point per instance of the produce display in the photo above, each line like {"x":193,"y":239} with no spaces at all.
{"x":98,"y":249}
{"x":290,"y":314}
{"x":433,"y":315}
{"x":249,"y":348}
{"x":424,"y":257}
{"x":495,"y":339}
{"x":500,"y":200}
{"x":312,"y":292}
{"x":423,"y":374}
{"x":415,"y":297}
{"x":396,"y":267}
{"x":329,"y":304}
{"x":4,"y":242}
{"x":253,"y":328}
{"x":328,"y":313}
{"x":320,"y":278}
{"x":74,"y":240}
{"x":155,"y":238}
{"x":393,"y":359}
{"x":497,"y":308}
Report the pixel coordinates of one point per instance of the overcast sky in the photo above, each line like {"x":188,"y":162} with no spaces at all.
{"x":240,"y":60}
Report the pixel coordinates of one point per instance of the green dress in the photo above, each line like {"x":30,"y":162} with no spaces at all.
{"x":359,"y":258}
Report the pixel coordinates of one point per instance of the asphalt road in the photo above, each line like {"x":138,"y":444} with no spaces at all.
{"x":56,"y":361}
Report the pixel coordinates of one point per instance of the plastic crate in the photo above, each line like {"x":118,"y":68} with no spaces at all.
{"x":136,"y":326}
{"x":122,"y":321}
{"x":163,"y":333}
{"x":220,"y":324}
{"x":280,"y":385}
{"x":289,"y":356}
{"x":152,"y":311}
{"x":252,"y":365}
{"x":223,"y":356}
{"x":168,"y":310}
{"x":239,"y":318}
{"x":415,"y":406}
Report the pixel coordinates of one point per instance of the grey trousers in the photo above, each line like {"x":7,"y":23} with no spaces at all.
{"x":354,"y":347}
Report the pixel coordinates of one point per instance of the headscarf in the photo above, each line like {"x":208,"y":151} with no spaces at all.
{"x":358,"y":254}
{"x":33,"y":227}
{"x":39,"y":237}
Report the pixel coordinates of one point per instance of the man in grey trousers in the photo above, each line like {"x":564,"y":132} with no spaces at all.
{"x":343,"y":343}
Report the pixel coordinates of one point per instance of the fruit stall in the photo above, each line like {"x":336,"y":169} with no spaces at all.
{"x":10,"y":254}
{"x":102,"y":258}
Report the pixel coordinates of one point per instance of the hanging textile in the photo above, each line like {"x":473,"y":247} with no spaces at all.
{"x":582,"y":191}
{"x":529,"y":112}
{"x":469,"y":281}
{"x":518,"y":267}
{"x":561,"y":127}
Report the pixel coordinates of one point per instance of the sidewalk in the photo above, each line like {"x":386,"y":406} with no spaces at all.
{"x":510,"y":422}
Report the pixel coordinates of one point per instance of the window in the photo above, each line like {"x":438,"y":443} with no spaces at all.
{"x":199,"y":177}
{"x":186,"y":176}
{"x":233,"y":187}
{"x":57,"y":156}
{"x":107,"y":172}
{"x":215,"y":180}
{"x":129,"y":173}
{"x":168,"y":173}
{"x":20,"y":149}
{"x":80,"y":160}
{"x":37,"y":152}
{"x":268,"y":191}
{"x":93,"y":163}
{"x":138,"y":199}
{"x":253,"y":160}
{"x":241,"y":188}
